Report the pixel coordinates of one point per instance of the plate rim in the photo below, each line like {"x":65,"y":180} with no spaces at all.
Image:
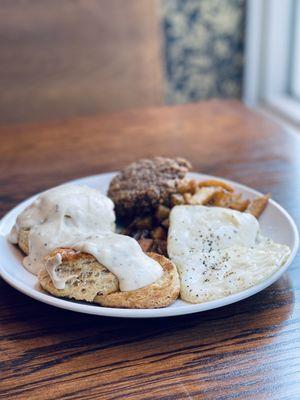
{"x":76,"y":306}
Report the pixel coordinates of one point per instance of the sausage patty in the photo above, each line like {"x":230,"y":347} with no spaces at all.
{"x":143,"y":185}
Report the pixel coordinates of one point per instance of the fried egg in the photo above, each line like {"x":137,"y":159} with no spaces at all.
{"x":220,"y":251}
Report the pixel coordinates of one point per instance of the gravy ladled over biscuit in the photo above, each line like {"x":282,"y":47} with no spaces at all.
{"x":81,"y":218}
{"x":58,"y":217}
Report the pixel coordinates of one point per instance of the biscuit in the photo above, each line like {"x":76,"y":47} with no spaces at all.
{"x":159,"y":294}
{"x":23,"y":240}
{"x":91,"y":277}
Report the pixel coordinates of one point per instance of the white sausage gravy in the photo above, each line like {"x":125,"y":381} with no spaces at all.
{"x":82,"y":218}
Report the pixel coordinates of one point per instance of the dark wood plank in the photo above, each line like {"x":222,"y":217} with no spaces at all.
{"x":249,"y":350}
{"x":71,"y":58}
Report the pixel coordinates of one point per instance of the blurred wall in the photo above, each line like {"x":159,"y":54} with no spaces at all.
{"x":66,"y":58}
{"x":62,"y":59}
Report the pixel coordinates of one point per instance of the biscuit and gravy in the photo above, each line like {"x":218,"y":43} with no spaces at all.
{"x":156,"y":236}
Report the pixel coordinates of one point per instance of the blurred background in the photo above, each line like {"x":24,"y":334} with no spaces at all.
{"x":70,"y":58}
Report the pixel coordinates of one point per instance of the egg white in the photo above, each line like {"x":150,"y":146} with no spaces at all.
{"x":219,"y":252}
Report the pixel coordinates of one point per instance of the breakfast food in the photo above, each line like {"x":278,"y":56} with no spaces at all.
{"x":219,"y":252}
{"x":85,"y":276}
{"x":23,"y":239}
{"x":120,"y":254}
{"x":141,"y":186}
{"x":96,"y":260}
{"x":176,"y":236}
{"x":257,"y":206}
{"x":57,"y":218}
{"x":159,"y":294}
{"x":151,"y":230}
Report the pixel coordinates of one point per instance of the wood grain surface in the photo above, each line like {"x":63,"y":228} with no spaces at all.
{"x":248,"y":350}
{"x":71,"y":58}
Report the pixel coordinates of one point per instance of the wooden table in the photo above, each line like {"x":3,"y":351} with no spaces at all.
{"x":249,"y":350}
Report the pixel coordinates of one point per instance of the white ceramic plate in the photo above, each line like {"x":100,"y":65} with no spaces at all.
{"x":275,"y":223}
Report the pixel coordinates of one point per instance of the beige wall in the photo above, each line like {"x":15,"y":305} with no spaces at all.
{"x":60,"y":59}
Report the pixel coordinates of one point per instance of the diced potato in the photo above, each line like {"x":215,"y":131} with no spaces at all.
{"x":165,"y":223}
{"x":159,"y":233}
{"x":187,"y":186}
{"x":239,"y":205}
{"x":203,"y":195}
{"x":257,"y":206}
{"x":222,"y":199}
{"x":177,"y":199}
{"x":162,"y":212}
{"x":216,"y":183}
{"x":187,"y":197}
